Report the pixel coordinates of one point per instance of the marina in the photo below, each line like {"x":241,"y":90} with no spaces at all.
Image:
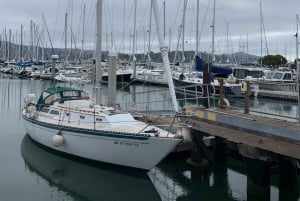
{"x":133,"y":117}
{"x":56,"y":178}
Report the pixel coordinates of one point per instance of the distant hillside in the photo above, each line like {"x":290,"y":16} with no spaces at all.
{"x":72,"y":55}
{"x":238,"y":57}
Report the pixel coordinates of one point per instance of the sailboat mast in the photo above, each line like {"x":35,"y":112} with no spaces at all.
{"x":164,"y":20}
{"x":134,"y":40}
{"x":197,"y":28}
{"x":149,"y":42}
{"x":31,"y":39}
{"x":261,"y":38}
{"x":9,"y":44}
{"x":297,"y":43}
{"x":21,"y":45}
{"x":66,"y":35}
{"x":297,"y":64}
{"x":83,"y":32}
{"x":98,"y":50}
{"x":213,"y":33}
{"x":164,"y":53}
{"x":183,"y":27}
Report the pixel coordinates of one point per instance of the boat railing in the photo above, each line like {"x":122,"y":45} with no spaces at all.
{"x":159,"y":101}
{"x":278,"y":82}
{"x":268,"y":98}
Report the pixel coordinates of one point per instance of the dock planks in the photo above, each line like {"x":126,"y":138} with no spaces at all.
{"x":271,"y":134}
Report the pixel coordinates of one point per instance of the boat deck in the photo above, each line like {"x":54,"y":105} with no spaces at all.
{"x":134,"y":128}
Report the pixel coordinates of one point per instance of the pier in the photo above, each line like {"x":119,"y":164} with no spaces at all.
{"x":261,"y":141}
{"x":269,"y":134}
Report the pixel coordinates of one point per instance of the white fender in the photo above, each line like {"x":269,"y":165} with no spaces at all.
{"x":57,"y":140}
{"x":185,"y":132}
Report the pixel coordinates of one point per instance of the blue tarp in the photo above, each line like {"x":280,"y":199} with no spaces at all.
{"x":216,"y":71}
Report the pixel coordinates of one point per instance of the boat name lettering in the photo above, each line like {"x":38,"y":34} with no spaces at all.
{"x":126,"y":143}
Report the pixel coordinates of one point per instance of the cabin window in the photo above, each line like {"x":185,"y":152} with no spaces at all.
{"x":51,"y":99}
{"x":277,"y":75}
{"x":98,"y":119}
{"x":82,"y":117}
{"x":45,"y":110}
{"x":269,"y":75}
{"x":55,"y":112}
{"x":287,"y":76}
{"x":45,"y":94}
{"x":71,"y":93}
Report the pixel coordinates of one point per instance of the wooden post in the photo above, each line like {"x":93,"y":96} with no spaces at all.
{"x":247,"y":100}
{"x":112,"y":82}
{"x":221,"y":91}
{"x":54,"y":58}
{"x":206,"y":85}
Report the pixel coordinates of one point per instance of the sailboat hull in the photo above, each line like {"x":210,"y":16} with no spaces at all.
{"x":142,"y":152}
{"x":195,"y":86}
{"x":120,"y":78}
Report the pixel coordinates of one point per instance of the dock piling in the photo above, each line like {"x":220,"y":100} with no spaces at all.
{"x":288,"y":172}
{"x":199,"y":154}
{"x":258,"y":179}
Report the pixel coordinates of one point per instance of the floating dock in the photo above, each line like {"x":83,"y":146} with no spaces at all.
{"x":278,"y":95}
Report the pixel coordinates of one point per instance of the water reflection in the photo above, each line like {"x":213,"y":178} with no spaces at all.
{"x":87,"y":180}
{"x":190,"y":184}
{"x":230,"y":180}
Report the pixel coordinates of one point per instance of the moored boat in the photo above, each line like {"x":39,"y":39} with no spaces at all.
{"x":193,"y":82}
{"x":65,"y":119}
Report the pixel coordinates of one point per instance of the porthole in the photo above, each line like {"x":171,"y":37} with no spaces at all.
{"x":55,"y":112}
{"x":45,"y":110}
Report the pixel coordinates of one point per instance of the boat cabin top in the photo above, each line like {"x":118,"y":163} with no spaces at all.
{"x":59,"y":94}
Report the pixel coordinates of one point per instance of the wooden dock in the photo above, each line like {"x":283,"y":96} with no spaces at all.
{"x":274,"y":135}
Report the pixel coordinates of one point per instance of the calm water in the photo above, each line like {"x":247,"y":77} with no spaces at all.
{"x":31,"y":172}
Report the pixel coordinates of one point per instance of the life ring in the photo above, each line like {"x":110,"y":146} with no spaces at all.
{"x":226,"y":102}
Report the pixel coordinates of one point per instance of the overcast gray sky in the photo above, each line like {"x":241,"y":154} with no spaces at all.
{"x":237,"y":19}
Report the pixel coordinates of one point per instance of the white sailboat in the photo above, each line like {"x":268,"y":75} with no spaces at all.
{"x":67,"y":120}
